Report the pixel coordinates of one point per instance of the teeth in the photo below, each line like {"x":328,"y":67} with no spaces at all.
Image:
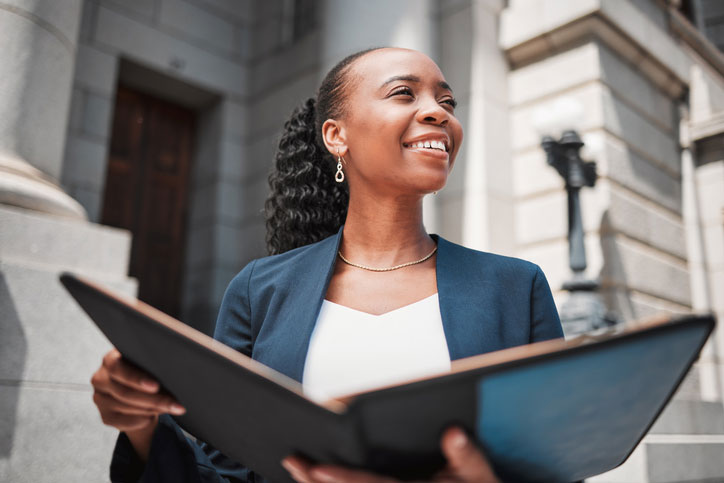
{"x":430,"y":145}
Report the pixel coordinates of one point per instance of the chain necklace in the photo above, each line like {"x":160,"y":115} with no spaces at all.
{"x":373,"y":269}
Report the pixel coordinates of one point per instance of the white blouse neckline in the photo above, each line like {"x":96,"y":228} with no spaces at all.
{"x":389,"y":312}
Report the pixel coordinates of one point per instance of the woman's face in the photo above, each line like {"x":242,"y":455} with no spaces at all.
{"x":399,"y":129}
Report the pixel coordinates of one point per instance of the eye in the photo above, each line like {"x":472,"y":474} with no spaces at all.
{"x":405,"y":91}
{"x":450,"y":101}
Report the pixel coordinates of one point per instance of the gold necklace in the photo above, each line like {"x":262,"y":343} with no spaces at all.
{"x":373,"y":269}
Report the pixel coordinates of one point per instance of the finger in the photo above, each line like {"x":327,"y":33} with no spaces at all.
{"x":305,"y":472}
{"x":465,"y":461}
{"x":159,"y":403}
{"x":297,"y":468}
{"x":339,"y":474}
{"x":127,"y":374}
{"x":108,"y":403}
{"x":126,"y":422}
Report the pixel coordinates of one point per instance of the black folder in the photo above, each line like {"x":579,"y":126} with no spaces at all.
{"x":551,"y":411}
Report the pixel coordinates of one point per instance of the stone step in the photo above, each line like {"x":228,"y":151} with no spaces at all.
{"x":683,"y":416}
{"x":46,"y":336}
{"x":49,"y":348}
{"x":52,"y":434}
{"x":671,"y":459}
{"x":53,"y":243}
{"x":678,"y":458}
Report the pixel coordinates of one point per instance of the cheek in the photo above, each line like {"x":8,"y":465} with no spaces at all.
{"x":457,"y":132}
{"x":380,"y":132}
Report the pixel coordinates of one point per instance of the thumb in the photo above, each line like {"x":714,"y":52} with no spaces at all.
{"x":464,"y":459}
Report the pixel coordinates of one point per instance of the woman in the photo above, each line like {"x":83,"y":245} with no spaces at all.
{"x":380,"y":136}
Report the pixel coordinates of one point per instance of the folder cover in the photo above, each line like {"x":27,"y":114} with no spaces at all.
{"x":550,"y":411}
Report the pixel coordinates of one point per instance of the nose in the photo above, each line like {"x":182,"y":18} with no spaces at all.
{"x":432,"y":112}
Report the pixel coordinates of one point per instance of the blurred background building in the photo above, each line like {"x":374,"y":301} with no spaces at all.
{"x":136,"y":137}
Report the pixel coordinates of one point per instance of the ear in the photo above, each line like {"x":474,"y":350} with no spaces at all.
{"x":334,"y":136}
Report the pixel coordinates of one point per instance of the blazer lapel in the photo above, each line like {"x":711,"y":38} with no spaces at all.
{"x":460,"y":308}
{"x":308,"y":300}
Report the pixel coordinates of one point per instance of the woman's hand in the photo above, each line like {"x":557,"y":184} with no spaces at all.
{"x":130,"y":400}
{"x":465,"y":463}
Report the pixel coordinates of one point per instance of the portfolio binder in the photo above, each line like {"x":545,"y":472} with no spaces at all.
{"x":550,"y":411}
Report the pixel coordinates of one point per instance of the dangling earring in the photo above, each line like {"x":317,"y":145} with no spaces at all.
{"x":339,"y":175}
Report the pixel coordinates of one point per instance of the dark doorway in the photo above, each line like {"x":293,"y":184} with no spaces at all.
{"x":146,"y":191}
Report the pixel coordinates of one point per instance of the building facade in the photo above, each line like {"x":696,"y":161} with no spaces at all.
{"x":136,"y":137}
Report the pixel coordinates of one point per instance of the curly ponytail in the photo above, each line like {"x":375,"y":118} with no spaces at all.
{"x":306,"y":204}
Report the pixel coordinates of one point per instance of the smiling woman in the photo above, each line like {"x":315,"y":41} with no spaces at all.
{"x":356,"y":293}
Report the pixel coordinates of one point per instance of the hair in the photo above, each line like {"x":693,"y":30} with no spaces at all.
{"x":305,"y":203}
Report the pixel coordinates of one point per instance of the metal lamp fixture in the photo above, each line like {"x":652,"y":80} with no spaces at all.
{"x":583,"y":311}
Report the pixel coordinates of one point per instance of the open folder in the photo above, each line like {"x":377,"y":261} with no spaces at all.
{"x":551,"y":411}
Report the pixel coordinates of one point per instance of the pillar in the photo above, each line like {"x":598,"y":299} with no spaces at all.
{"x":487,"y":202}
{"x":36,"y":72}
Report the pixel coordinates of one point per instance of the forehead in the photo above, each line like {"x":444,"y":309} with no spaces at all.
{"x":377,"y":66}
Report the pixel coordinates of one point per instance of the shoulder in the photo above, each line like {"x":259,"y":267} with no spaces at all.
{"x":285,"y":265}
{"x":477,"y":263}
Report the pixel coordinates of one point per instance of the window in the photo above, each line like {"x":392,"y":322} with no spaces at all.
{"x":299,"y":18}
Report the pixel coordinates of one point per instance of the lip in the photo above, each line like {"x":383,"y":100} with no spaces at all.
{"x":433,"y":153}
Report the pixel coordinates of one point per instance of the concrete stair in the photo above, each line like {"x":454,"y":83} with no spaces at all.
{"x":49,"y":348}
{"x":686,"y":444}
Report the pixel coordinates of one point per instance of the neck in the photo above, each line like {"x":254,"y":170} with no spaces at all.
{"x":385,"y":232}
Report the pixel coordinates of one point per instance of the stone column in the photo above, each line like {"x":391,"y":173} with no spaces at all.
{"x":36,"y":71}
{"x":488,"y":207}
{"x":48,"y":347}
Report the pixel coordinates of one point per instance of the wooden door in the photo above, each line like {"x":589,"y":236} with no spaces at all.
{"x":147,"y":190}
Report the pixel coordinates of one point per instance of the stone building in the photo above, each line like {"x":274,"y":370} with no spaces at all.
{"x":136,"y":138}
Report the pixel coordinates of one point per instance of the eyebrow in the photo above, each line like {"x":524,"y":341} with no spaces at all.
{"x":414,"y":78}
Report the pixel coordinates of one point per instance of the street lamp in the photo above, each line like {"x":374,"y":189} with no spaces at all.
{"x":564,"y":156}
{"x":583,"y":311}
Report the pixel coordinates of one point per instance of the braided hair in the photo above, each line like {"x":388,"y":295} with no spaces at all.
{"x":306,"y":204}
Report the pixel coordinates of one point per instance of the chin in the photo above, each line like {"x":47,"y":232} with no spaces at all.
{"x":433,"y":185}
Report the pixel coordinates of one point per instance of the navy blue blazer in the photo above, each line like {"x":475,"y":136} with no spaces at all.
{"x":487,"y":302}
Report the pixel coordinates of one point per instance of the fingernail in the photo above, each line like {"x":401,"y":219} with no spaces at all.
{"x":459,"y":439}
{"x":149,"y":384}
{"x":177,"y":409}
{"x":322,"y":475}
{"x":293,"y":470}
{"x":288,"y":465}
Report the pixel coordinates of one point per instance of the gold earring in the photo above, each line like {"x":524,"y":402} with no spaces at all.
{"x":339,"y":175}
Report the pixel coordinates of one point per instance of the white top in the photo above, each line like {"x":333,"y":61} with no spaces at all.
{"x":352,"y":351}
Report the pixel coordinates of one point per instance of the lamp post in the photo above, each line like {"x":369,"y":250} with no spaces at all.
{"x":583,"y":311}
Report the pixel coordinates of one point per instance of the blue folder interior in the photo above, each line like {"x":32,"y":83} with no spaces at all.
{"x":582,"y":410}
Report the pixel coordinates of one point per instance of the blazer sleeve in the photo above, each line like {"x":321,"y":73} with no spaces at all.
{"x":545,"y":323}
{"x":174,"y":457}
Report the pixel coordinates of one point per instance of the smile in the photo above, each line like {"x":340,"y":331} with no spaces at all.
{"x":433,"y":144}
